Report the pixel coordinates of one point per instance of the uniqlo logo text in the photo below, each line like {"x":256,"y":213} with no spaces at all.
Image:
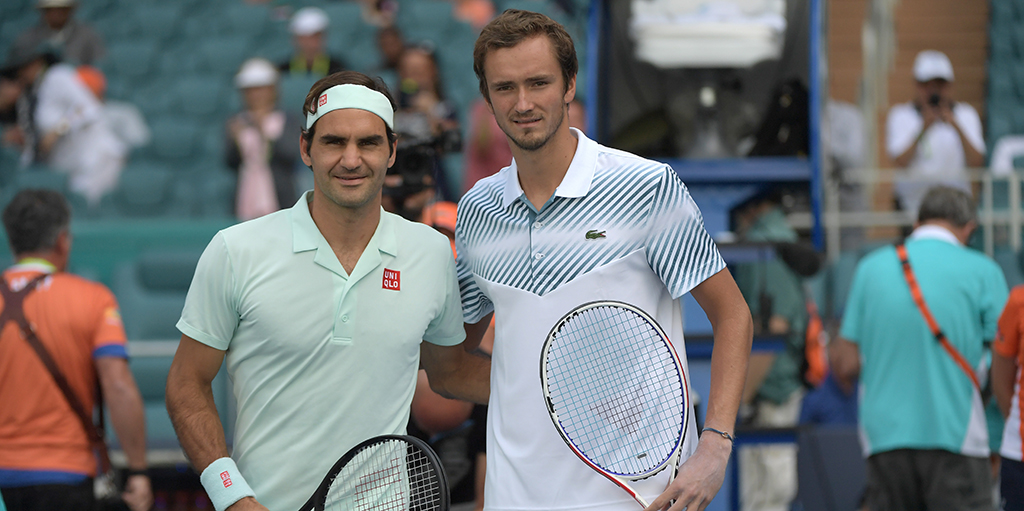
{"x":323,"y":100}
{"x":392,"y":280}
{"x":225,"y":477}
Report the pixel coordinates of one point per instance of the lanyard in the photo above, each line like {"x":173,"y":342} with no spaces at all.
{"x":915,"y":292}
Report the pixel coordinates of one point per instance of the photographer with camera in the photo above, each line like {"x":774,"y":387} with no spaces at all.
{"x":935,"y":138}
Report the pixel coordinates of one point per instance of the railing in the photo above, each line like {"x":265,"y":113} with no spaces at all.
{"x":991,"y":219}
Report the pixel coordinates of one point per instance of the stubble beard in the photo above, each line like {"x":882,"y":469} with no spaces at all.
{"x":535,"y":144}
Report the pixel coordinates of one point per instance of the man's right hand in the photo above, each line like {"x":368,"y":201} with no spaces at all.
{"x":247,"y":504}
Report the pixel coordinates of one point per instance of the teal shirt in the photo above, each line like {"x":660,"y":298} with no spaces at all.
{"x":913,"y":395}
{"x":785,"y":289}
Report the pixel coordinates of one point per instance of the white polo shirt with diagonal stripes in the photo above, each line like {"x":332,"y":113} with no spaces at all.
{"x":619,"y":227}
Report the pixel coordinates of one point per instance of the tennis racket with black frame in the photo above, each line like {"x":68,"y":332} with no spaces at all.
{"x":384,"y":473}
{"x":616,"y":391}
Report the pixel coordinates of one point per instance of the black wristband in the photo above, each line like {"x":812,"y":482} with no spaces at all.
{"x":136,"y":472}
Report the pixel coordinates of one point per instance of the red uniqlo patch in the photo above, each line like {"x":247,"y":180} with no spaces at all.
{"x":323,"y":100}
{"x":225,"y":477}
{"x":392,"y":280}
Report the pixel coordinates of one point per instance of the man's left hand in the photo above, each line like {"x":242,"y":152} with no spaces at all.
{"x":698,"y":479}
{"x":138,"y":493}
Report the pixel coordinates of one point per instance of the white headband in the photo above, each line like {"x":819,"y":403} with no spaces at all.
{"x":350,"y":95}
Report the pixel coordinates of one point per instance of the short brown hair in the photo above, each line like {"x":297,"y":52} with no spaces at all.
{"x":341,"y":78}
{"x":34,"y":219}
{"x":513,"y":27}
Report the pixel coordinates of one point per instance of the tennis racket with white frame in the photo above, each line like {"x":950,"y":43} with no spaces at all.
{"x":616,"y":391}
{"x":387,"y":472}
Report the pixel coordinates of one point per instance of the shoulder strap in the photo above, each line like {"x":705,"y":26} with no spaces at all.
{"x":13,"y":310}
{"x":933,"y":325}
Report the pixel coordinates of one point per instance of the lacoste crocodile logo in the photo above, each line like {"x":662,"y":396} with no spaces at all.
{"x":594,"y":234}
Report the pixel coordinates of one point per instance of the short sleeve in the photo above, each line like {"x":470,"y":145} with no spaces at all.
{"x":475,"y":304}
{"x":1007,"y":342}
{"x":679,"y":249}
{"x":108,"y":339}
{"x":854,"y":312}
{"x":993,"y":300}
{"x":211,"y":315}
{"x":446,"y":328}
{"x":967,"y":117}
{"x":902,"y":126}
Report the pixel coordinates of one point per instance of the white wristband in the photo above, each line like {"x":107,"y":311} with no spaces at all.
{"x":224,"y":483}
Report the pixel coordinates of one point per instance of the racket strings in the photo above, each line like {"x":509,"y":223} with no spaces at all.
{"x":389,"y":476}
{"x":617,"y":390}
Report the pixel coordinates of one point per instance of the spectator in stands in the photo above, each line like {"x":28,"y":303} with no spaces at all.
{"x":774,"y":390}
{"x":425,"y":116}
{"x":933,"y":137}
{"x":309,"y":38}
{"x":47,"y":462}
{"x":475,"y":12}
{"x":1008,"y":388}
{"x":61,"y":121}
{"x":390,"y":44}
{"x":924,"y":430}
{"x":124,"y":119}
{"x":77,"y":43}
{"x":260,"y":143}
{"x":380,"y":13}
{"x":487,"y":149}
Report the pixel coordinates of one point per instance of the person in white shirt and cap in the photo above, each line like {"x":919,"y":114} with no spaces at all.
{"x":260,"y":143}
{"x":308,"y":27}
{"x":935,"y":138}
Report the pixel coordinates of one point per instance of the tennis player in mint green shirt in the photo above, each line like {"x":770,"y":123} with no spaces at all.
{"x":323,"y":313}
{"x":922,"y":422}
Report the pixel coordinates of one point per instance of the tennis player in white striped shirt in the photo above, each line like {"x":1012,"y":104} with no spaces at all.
{"x":569,"y":222}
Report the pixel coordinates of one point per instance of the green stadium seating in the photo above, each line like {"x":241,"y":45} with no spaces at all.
{"x":224,"y":53}
{"x":145,"y":190}
{"x":429,"y":20}
{"x":201,"y":96}
{"x":175,"y":139}
{"x":131,"y":60}
{"x":347,"y":25}
{"x":251,"y":20}
{"x":157,"y":22}
{"x":292,"y":92}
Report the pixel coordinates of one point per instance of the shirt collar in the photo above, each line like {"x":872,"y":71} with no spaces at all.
{"x":934,"y":232}
{"x":306,"y":235}
{"x":34,"y":264}
{"x":577,"y":180}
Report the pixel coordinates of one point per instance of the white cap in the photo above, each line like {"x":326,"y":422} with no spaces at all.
{"x":308,"y":21}
{"x":47,"y":4}
{"x":256,"y":72}
{"x":932,"y":64}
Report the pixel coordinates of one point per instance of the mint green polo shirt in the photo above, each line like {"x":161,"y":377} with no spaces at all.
{"x":913,"y":395}
{"x":319,"y":360}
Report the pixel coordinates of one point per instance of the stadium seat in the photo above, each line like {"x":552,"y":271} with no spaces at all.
{"x":347,"y":25}
{"x":250,"y":20}
{"x":156,"y":22}
{"x":151,"y":292}
{"x":131,"y":60}
{"x":363,"y":56}
{"x":1009,"y":262}
{"x":145,"y":190}
{"x":292,"y":92}
{"x":201,"y":96}
{"x":429,"y":20}
{"x":174,"y":138}
{"x":224,"y":54}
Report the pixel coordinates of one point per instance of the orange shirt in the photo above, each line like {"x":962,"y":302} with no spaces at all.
{"x":76,"y":320}
{"x":1009,"y":344}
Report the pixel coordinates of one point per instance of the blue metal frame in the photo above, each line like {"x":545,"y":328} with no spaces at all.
{"x":731,"y":170}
